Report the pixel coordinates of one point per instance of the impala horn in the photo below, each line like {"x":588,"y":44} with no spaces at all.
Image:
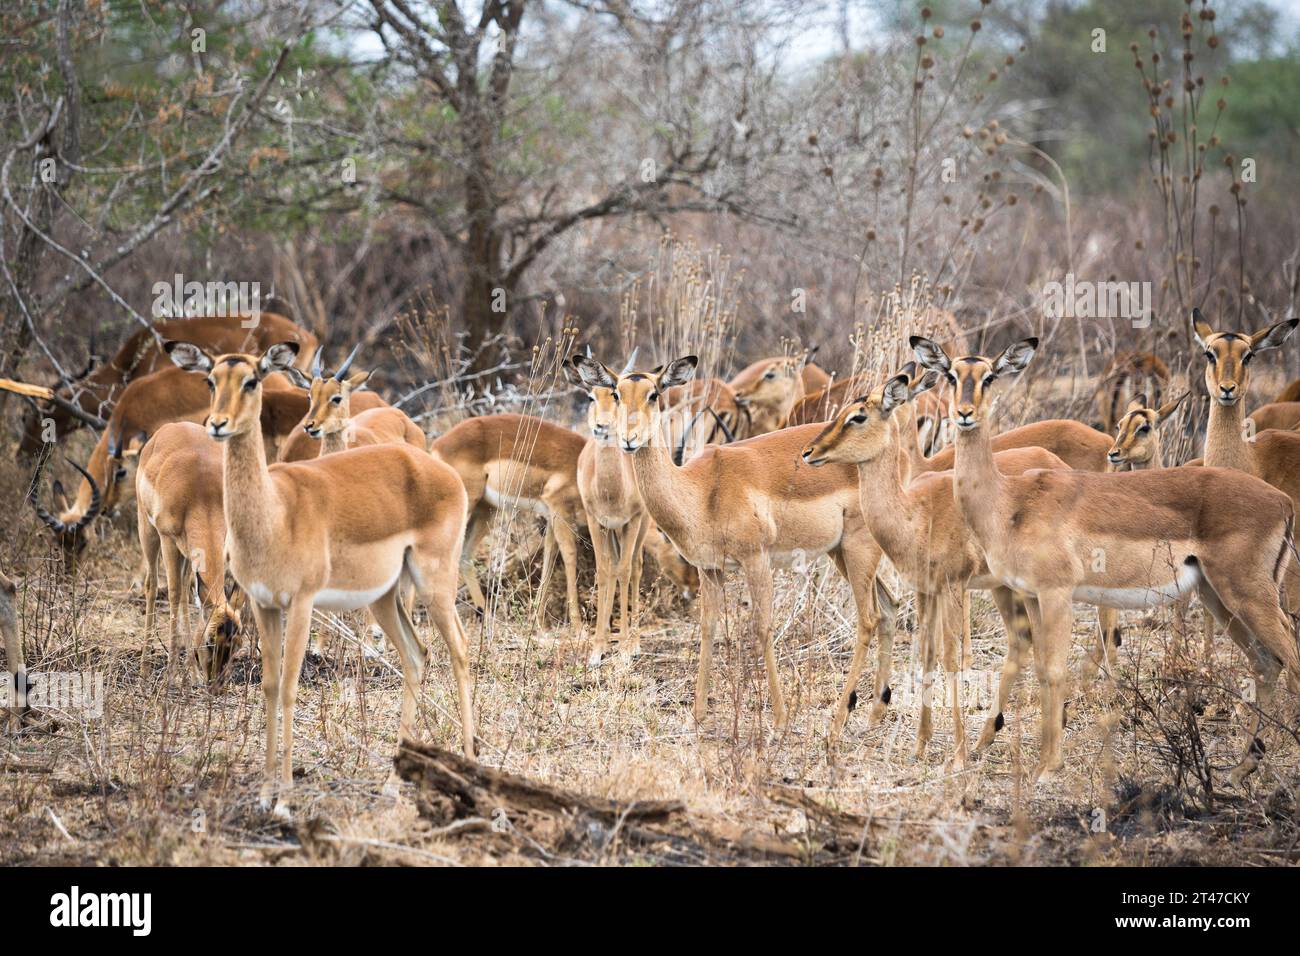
{"x":53,"y":523}
{"x":317,"y":371}
{"x":347,"y":364}
{"x":631,"y":362}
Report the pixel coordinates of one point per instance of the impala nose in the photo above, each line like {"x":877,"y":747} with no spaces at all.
{"x":1227,"y":392}
{"x":217,"y":427}
{"x":1114,"y":456}
{"x":964,"y":418}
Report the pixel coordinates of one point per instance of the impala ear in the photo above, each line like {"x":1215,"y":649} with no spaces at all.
{"x":1200,"y":328}
{"x":923,"y":384}
{"x":60,"y":496}
{"x":1164,"y":411}
{"x":1015,"y":357}
{"x":571,"y":373}
{"x":930,"y":353}
{"x":1138,"y":403}
{"x":678,"y":371}
{"x":358,"y":380}
{"x":1273,"y":337}
{"x":188,"y":356}
{"x":277,"y":358}
{"x":593,"y":373}
{"x":908,"y":369}
{"x":895,"y":393}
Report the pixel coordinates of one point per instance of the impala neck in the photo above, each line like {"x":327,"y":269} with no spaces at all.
{"x":1225,"y":446}
{"x":667,"y":494}
{"x":888,"y":511}
{"x":334,"y":441}
{"x":246,"y":483}
{"x":977,"y":481}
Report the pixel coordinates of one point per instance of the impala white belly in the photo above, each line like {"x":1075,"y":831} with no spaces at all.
{"x":498,"y":500}
{"x":338,"y":599}
{"x":1189,"y":575}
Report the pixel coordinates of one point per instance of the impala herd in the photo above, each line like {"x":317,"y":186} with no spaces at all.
{"x":269,"y":486}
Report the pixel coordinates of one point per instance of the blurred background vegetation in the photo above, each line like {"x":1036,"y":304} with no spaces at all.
{"x":517,"y":162}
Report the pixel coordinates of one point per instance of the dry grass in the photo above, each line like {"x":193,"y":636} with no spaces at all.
{"x":168,"y":776}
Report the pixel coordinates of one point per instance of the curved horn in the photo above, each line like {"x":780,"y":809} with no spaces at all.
{"x":95,"y":500}
{"x":631,"y":362}
{"x":316,"y":370}
{"x":115,"y":445}
{"x":721,"y":424}
{"x":347,"y":363}
{"x":51,"y":522}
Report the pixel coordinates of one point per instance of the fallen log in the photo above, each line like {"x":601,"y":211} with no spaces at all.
{"x":545,"y":822}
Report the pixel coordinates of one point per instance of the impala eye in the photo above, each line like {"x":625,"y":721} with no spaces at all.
{"x":1245,"y":359}
{"x":212,"y":386}
{"x":952,"y":379}
{"x":250,"y":384}
{"x":770,"y":374}
{"x":1210,"y":356}
{"x":988,"y":380}
{"x":858,"y":419}
{"x":120,"y":474}
{"x":654,"y":396}
{"x":336,"y":400}
{"x":616,"y":398}
{"x":1144,"y":429}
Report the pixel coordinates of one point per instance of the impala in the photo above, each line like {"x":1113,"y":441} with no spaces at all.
{"x":329,"y":424}
{"x":97,"y":391}
{"x":1132,"y":539}
{"x":144,"y":406}
{"x":918,"y":526}
{"x":823,"y":406}
{"x":1125,"y":376}
{"x":702,"y":412}
{"x":616,"y":518}
{"x":517,"y":461}
{"x":339,"y":532}
{"x":180,"y":516}
{"x":767,"y":390}
{"x":1283,"y":415}
{"x":750,"y":504}
{"x":1137,"y":438}
{"x":1289,"y":394}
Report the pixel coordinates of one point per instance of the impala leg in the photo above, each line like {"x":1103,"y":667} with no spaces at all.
{"x":860,"y":573}
{"x":927,"y":637}
{"x":635,"y":556}
{"x":149,"y":547}
{"x":1207,"y":634}
{"x":711,"y":597}
{"x":443,"y":614}
{"x":14,"y":662}
{"x":602,"y":546}
{"x":548,"y":568}
{"x":567,"y":539}
{"x":758,"y":571}
{"x":952,"y":617}
{"x":475,"y":528}
{"x":1254,"y":619}
{"x":271,"y":640}
{"x":297,"y":631}
{"x":1050,"y":660}
{"x":177,"y":598}
{"x":1106,"y":653}
{"x":1015,"y":619}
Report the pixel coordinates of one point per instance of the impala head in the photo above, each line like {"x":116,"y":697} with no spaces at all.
{"x":72,"y":530}
{"x":602,"y":406}
{"x":770,"y":387}
{"x":1228,"y":355}
{"x":331,"y":396}
{"x":1137,"y":444}
{"x":680,"y":571}
{"x":122,"y":456}
{"x":638,"y":395}
{"x":864,"y":429}
{"x":222,"y":634}
{"x":235,"y":382}
{"x":973,"y":378}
